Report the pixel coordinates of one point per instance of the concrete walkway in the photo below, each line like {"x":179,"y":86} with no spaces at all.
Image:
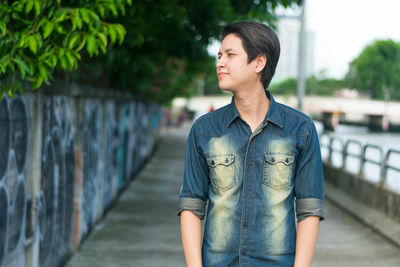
{"x":142,"y":229}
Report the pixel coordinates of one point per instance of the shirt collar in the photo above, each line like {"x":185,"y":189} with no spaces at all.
{"x":273,"y":114}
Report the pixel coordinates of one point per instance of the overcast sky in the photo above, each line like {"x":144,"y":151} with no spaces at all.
{"x":344,"y":27}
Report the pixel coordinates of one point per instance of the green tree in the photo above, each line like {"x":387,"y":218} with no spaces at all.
{"x":39,"y":36}
{"x":285,"y":87}
{"x":323,"y":85}
{"x":376,"y":70}
{"x":315,"y":85}
{"x":164,"y":52}
{"x":165,"y":49}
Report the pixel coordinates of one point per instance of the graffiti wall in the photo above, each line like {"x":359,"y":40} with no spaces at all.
{"x":63,"y":160}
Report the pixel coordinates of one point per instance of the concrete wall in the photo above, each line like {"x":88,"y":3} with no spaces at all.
{"x":64,"y":157}
{"x":379,"y":198}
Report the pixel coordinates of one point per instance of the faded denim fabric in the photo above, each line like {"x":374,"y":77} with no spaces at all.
{"x":251,"y":182}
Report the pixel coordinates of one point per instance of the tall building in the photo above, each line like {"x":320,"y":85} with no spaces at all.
{"x":289,"y":33}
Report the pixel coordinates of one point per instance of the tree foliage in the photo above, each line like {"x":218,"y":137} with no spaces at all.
{"x":163,"y":54}
{"x":165,"y":50}
{"x":315,"y":85}
{"x":376,"y":70}
{"x":39,"y":36}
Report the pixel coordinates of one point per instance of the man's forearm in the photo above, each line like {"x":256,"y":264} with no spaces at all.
{"x":191,"y":229}
{"x":306,"y":240}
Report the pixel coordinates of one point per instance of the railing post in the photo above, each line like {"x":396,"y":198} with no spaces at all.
{"x":330,"y":150}
{"x":344,"y":154}
{"x":362,"y":161}
{"x":384,"y":165}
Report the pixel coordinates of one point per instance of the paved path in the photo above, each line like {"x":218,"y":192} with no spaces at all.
{"x":142,"y":229}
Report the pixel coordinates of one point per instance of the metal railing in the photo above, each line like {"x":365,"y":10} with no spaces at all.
{"x":383,"y":162}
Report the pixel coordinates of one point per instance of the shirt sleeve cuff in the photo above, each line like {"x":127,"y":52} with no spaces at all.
{"x":309,"y":207}
{"x":195,"y":205}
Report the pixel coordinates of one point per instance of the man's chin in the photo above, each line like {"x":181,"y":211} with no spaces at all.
{"x":225,"y":89}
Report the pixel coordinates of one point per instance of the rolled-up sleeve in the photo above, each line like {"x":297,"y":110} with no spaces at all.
{"x":309,"y":178}
{"x":194,"y":190}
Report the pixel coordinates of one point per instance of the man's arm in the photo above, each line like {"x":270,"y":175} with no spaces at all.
{"x":191,"y":229}
{"x":306,"y":240}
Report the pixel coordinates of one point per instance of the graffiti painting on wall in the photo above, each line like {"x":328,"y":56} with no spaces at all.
{"x":57,"y":180}
{"x":91,"y":134}
{"x":14,"y":197}
{"x":79,"y":170}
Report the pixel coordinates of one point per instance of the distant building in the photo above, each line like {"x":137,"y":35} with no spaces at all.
{"x":288,"y":33}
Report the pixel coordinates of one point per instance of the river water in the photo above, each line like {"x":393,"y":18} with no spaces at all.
{"x":385,"y":141}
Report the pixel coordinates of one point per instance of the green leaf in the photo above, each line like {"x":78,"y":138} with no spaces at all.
{"x":43,"y":71}
{"x":37,"y":83}
{"x":32,"y":43}
{"x":48,"y":29}
{"x":17,"y":6}
{"x":11,"y":91}
{"x":22,"y":66}
{"x":103,"y":48}
{"x":93,"y":15}
{"x":41,"y":22}
{"x":71,"y":59}
{"x":121,"y":32}
{"x":63,"y":63}
{"x":60,"y":15}
{"x":37,"y":8}
{"x":73,"y":40}
{"x":28,"y":6}
{"x":113,"y":34}
{"x":53,"y":60}
{"x":112,"y":8}
{"x":3,"y":28}
{"x":81,"y":44}
{"x":85,"y":15}
{"x":76,"y":19}
{"x":101,"y":10}
{"x":103,"y":38}
{"x":91,"y":44}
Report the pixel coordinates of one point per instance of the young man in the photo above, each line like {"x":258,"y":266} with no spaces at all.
{"x":250,"y":161}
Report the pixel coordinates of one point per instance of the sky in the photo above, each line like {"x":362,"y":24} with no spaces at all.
{"x":343,"y":28}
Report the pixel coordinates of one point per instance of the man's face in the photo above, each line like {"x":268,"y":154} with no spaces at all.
{"x":233,"y":70}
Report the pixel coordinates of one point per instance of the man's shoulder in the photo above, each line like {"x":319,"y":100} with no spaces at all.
{"x":294,"y":121}
{"x":289,"y":111}
{"x":215,"y":115}
{"x":212,"y":122}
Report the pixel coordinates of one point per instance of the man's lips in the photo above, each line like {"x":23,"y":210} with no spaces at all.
{"x":222,"y":74}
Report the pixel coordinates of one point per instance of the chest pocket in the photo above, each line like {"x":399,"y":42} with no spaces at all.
{"x":277,"y":170}
{"x":222,"y":171}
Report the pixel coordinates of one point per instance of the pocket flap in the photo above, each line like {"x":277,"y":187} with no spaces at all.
{"x":274,"y":158}
{"x":220,"y":160}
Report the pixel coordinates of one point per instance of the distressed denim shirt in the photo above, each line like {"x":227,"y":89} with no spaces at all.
{"x":248,"y":186}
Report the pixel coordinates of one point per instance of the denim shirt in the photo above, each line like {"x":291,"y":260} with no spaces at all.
{"x":252,"y":184}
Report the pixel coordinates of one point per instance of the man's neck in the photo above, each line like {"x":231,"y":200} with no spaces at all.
{"x":252,"y":105}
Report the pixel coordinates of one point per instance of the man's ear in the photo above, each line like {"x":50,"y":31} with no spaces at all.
{"x":261,"y":61}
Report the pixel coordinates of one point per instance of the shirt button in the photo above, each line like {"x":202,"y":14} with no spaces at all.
{"x":245,"y":225}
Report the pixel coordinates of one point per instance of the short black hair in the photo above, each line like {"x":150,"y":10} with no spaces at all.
{"x":257,"y":38}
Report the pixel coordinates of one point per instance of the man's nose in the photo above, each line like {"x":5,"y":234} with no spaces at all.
{"x":220,"y":63}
